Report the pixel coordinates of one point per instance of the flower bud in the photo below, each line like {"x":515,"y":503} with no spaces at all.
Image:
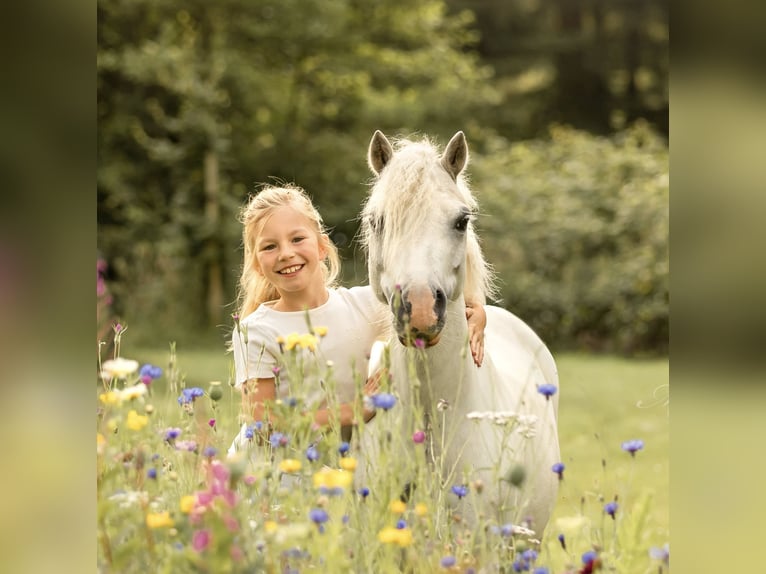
{"x":215,"y":391}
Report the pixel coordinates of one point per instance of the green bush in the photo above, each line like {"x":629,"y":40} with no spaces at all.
{"x":576,"y":226}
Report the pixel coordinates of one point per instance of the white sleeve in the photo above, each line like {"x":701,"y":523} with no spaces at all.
{"x":376,"y":313}
{"x":253,"y":358}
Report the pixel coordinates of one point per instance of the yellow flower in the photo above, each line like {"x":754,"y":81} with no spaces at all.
{"x":135,"y":421}
{"x":270,"y":526}
{"x":159,"y":520}
{"x":308,"y":341}
{"x":391,"y":535}
{"x":118,"y":368}
{"x":320,"y":331}
{"x":397,"y":507}
{"x":421,"y":509}
{"x":100,"y":443}
{"x":187,"y":503}
{"x":110,"y":398}
{"x":348,"y":463}
{"x":290,"y":465}
{"x":331,"y":478}
{"x":291,"y":341}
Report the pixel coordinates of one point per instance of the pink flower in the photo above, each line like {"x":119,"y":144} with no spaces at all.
{"x":201,"y":540}
{"x":419,"y":437}
{"x":231,"y":523}
{"x":211,"y":422}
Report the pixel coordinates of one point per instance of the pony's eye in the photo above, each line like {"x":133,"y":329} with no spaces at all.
{"x":462,"y":222}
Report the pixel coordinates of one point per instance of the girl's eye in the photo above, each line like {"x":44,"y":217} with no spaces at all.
{"x":298,"y":239}
{"x":268,"y":247}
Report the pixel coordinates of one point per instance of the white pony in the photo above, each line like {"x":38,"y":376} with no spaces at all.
{"x":488,"y":427}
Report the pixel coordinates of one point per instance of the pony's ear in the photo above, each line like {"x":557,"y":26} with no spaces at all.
{"x":380,"y":152}
{"x":455,"y":156}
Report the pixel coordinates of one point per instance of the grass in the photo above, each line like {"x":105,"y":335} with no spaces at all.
{"x":604,"y":401}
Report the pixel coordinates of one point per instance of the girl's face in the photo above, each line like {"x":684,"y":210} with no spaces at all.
{"x":289,"y":252}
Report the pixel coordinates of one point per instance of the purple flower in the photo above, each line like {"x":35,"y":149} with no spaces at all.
{"x":312,"y":453}
{"x":383,"y":401}
{"x":633,"y":446}
{"x":278,"y":439}
{"x":209,"y":451}
{"x":171,"y":434}
{"x":558,"y":468}
{"x":562,"y":541}
{"x":611,"y":508}
{"x":188,"y":395}
{"x":448,"y":561}
{"x":419,"y":437}
{"x":589,"y":556}
{"x":152,"y":473}
{"x":541,"y":570}
{"x":529,"y":555}
{"x":364,"y":492}
{"x":150,"y":371}
{"x":343,"y":448}
{"x":460,"y":490}
{"x":318,"y":515}
{"x":401,"y":524}
{"x":507,"y":530}
{"x":420,"y":343}
{"x":520,"y":566}
{"x":547,"y":390}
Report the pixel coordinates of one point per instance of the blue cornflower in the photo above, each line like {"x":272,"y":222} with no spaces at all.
{"x":460,"y":490}
{"x":401,"y":524}
{"x":318,"y":515}
{"x":506,"y":530}
{"x":312,"y":453}
{"x":529,"y":555}
{"x":562,"y":541}
{"x":611,"y":508}
{"x":547,"y":390}
{"x":188,"y":395}
{"x":589,"y":556}
{"x":383,"y":401}
{"x":150,"y":371}
{"x":249,"y":432}
{"x":172,"y":434}
{"x":448,"y":561}
{"x":209,"y":451}
{"x":558,"y":468}
{"x":520,"y":566}
{"x":152,"y":473}
{"x":541,"y":570}
{"x":364,"y":492}
{"x":633,"y":446}
{"x":331,"y":491}
{"x":343,"y":448}
{"x":278,"y":439}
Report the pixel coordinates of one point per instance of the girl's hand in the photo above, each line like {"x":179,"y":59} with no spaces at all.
{"x":477,"y":321}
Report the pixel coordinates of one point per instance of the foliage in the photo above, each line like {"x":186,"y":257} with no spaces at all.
{"x":169,"y":500}
{"x":578,"y":234}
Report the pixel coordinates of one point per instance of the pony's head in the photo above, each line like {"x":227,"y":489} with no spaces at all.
{"x":417,"y":228}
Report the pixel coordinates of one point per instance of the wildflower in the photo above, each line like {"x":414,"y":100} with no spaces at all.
{"x":401,"y":523}
{"x":201,"y":540}
{"x":420,"y":343}
{"x":187,"y":503}
{"x":211,"y":423}
{"x":558,"y":468}
{"x":215,"y":392}
{"x":383,"y":401}
{"x":171,"y":434}
{"x":660,"y":553}
{"x":188,"y":445}
{"x":460,"y":490}
{"x":159,"y":520}
{"x":318,"y":515}
{"x":189,"y":395}
{"x":529,"y":555}
{"x":320,"y":331}
{"x":276,"y":371}
{"x":419,"y":437}
{"x":397,"y":507}
{"x":478,"y":485}
{"x":547,"y":390}
{"x":421,"y":509}
{"x":100,"y":442}
{"x":308,"y":341}
{"x":133,"y":392}
{"x":633,"y":446}
{"x":589,"y":557}
{"x":343,"y":448}
{"x":517,"y":476}
{"x":448,"y":561}
{"x":364,"y":492}
{"x":520,"y":566}
{"x":110,"y":398}
{"x":289,"y":465}
{"x":562,"y":540}
{"x":152,"y":473}
{"x":348,"y":463}
{"x":278,"y":439}
{"x":330,"y":478}
{"x":312,"y":453}
{"x":210,"y":451}
{"x":150,"y":371}
{"x":135,"y":421}
{"x":541,"y":570}
{"x":118,"y":368}
{"x":442,"y":405}
{"x":400,"y":536}
{"x":611,"y":508}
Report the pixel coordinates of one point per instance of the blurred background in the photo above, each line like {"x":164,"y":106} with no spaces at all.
{"x":564,"y":104}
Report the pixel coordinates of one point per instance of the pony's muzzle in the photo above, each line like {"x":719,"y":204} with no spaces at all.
{"x":419,"y":314}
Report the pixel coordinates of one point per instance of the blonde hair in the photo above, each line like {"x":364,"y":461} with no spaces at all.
{"x":254,"y":288}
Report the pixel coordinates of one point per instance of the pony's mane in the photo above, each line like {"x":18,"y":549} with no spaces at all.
{"x":409,"y":178}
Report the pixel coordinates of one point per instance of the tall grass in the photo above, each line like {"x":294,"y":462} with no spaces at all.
{"x":179,"y":505}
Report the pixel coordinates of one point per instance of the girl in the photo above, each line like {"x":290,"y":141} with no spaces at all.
{"x":289,"y":274}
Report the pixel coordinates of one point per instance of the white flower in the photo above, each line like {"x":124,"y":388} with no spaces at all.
{"x":527,"y":426}
{"x":133,"y":392}
{"x":476,"y":415}
{"x":119,"y":368}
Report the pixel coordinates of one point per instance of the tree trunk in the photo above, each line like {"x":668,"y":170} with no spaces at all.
{"x":212,"y":248}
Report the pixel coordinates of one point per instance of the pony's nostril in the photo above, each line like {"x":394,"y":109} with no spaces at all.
{"x":440,"y":302}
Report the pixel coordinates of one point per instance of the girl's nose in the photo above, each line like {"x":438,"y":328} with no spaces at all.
{"x":286,"y":252}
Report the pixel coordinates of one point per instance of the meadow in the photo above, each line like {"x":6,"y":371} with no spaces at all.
{"x":169,"y":499}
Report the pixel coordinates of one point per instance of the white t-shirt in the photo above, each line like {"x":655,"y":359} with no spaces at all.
{"x":354,"y":319}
